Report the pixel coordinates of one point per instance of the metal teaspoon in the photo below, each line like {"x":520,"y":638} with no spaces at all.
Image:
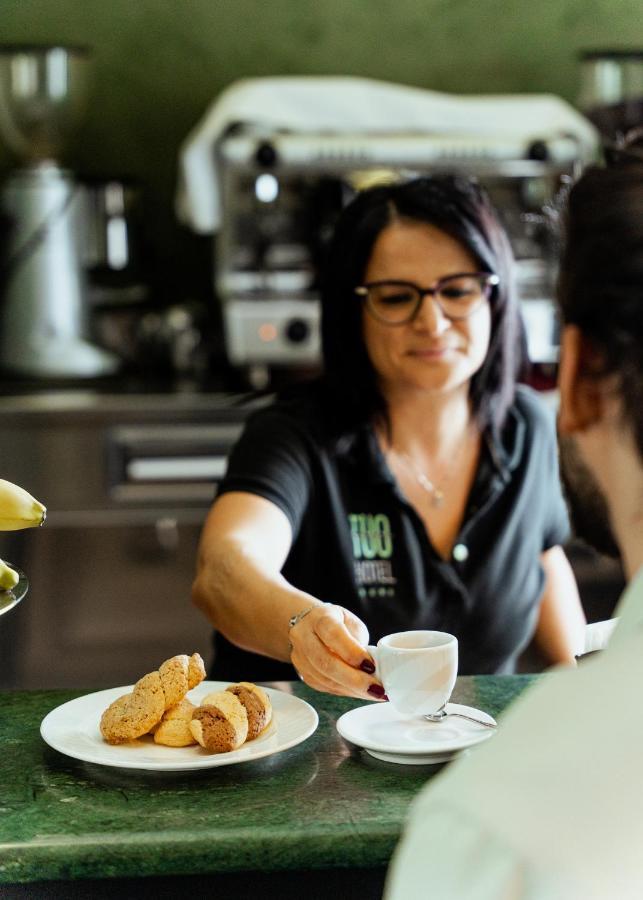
{"x":442,"y":714}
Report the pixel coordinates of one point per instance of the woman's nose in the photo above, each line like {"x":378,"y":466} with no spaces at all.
{"x":430,"y":317}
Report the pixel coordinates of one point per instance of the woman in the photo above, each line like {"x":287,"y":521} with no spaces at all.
{"x":412,"y":486}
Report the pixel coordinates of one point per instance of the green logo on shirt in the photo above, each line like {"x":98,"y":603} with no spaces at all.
{"x":371,"y":536}
{"x":372,"y":550}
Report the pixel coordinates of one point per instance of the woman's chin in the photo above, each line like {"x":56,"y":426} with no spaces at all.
{"x":413,"y":383}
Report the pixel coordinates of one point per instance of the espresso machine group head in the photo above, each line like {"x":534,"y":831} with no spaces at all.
{"x":44,"y":316}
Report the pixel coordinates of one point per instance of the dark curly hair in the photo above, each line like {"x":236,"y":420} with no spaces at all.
{"x":459,"y":207}
{"x":600,"y":285}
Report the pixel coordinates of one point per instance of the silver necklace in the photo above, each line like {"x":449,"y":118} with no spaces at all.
{"x":435,"y":493}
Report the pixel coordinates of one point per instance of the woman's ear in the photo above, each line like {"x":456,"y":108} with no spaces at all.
{"x":580,"y":385}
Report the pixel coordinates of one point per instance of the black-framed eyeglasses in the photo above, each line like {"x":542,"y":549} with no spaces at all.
{"x":398,"y":302}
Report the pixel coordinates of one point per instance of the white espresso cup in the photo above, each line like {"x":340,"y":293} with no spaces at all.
{"x":417,"y":668}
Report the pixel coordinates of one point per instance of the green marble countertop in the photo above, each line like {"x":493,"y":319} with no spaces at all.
{"x":322,"y":804}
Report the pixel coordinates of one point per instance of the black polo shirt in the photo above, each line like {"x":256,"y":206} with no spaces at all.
{"x":360,"y":544}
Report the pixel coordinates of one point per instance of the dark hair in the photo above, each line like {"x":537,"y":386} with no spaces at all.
{"x":459,"y":207}
{"x":600,"y":285}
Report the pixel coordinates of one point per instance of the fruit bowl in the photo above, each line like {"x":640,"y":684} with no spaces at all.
{"x":11,"y":598}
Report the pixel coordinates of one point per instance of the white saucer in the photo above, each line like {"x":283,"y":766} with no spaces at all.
{"x":388,"y":736}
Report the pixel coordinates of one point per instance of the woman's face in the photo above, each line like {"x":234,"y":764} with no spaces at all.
{"x":432,"y":352}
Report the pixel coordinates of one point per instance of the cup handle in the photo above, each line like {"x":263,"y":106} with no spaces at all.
{"x":373,"y":652}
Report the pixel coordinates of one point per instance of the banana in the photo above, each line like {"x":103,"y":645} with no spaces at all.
{"x":8,"y":577}
{"x":18,"y":509}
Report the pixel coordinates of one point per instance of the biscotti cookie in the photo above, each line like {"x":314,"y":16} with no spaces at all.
{"x":257,"y":704}
{"x":220,"y":723}
{"x":174,"y":728}
{"x":132,"y":715}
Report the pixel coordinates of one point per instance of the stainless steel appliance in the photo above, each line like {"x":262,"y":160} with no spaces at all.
{"x":127,"y":479}
{"x":44,"y":317}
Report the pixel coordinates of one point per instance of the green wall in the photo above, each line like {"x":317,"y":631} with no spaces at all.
{"x":159,"y":63}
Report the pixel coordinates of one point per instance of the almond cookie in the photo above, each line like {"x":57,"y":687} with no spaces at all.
{"x":179,"y":674}
{"x":220,"y":723}
{"x":196,"y":670}
{"x":174,"y":678}
{"x":174,"y":728}
{"x":132,"y":715}
{"x":257,"y":704}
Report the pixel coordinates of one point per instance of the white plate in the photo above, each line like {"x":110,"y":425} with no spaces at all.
{"x":73,"y":729}
{"x":386,"y":735}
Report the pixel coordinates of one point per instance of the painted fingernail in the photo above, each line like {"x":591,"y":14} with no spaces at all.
{"x":376,"y":690}
{"x":368,"y":666}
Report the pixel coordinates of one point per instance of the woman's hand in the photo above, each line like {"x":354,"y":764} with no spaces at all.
{"x":328,"y":650}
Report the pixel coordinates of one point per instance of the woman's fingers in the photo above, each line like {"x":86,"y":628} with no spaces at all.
{"x":314,"y":679}
{"x":337,"y":678}
{"x":333,"y":631}
{"x":356,"y":627}
{"x":328,"y":657}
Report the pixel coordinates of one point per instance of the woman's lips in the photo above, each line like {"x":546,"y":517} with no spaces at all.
{"x":430,"y":352}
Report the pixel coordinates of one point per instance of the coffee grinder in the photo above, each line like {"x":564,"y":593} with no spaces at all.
{"x":44,"y":313}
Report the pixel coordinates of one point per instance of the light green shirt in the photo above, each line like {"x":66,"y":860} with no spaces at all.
{"x":552,"y":807}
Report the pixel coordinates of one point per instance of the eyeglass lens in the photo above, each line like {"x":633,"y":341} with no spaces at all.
{"x":457,"y":296}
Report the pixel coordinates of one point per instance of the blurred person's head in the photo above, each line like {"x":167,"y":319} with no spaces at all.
{"x":417,"y":232}
{"x":601,"y":372}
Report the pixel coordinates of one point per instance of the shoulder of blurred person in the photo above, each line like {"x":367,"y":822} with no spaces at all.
{"x":551,"y":807}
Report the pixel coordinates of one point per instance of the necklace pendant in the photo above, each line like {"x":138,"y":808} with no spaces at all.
{"x":438,"y":498}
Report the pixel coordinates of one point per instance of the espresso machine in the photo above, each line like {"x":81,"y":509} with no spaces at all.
{"x":270,"y":166}
{"x":44,"y":313}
